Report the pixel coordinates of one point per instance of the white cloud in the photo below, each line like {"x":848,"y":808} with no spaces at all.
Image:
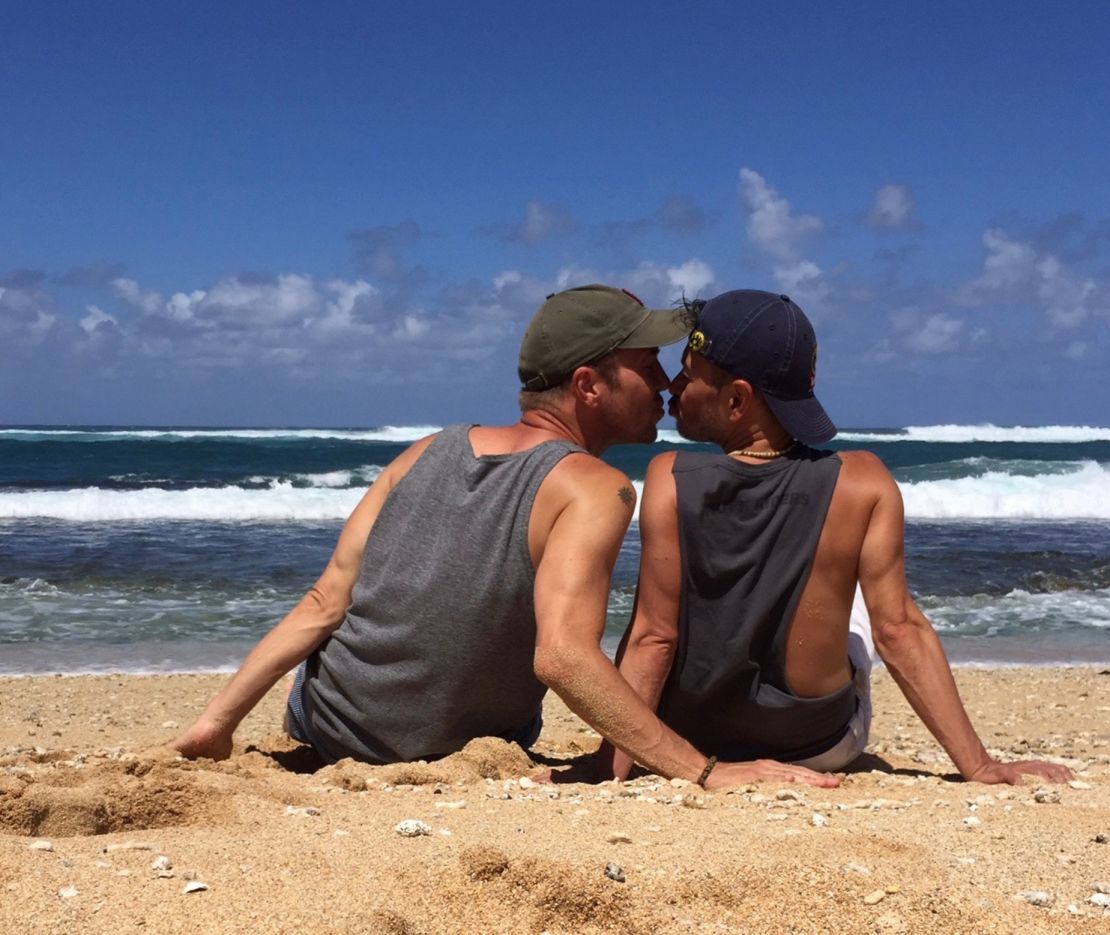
{"x":94,"y":317}
{"x":540,"y":222}
{"x":129,"y":291}
{"x":1015,"y":271}
{"x":691,"y":278}
{"x":772,"y":225}
{"x":937,"y":336}
{"x":892,"y":208}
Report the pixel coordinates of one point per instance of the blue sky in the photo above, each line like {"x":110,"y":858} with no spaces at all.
{"x":344,"y":213}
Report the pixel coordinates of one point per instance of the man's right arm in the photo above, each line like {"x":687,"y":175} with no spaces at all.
{"x":906,"y":641}
{"x":304,"y":628}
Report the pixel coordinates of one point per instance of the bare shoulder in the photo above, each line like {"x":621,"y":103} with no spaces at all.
{"x":863,"y":475}
{"x":582,"y":479}
{"x":864,"y":467}
{"x":661,"y":466}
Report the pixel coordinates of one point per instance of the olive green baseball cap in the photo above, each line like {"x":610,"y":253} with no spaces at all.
{"x":580,"y":325}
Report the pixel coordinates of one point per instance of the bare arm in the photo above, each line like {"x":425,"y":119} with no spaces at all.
{"x":304,"y":628}
{"x":910,"y":648}
{"x":572,"y":586}
{"x":647,"y":649}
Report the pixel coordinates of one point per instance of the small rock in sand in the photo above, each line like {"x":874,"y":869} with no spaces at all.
{"x":1037,"y":898}
{"x":411,"y":828}
{"x":614,"y":872}
{"x":41,"y":846}
{"x":194,"y":886}
{"x":819,"y":820}
{"x":618,"y":837}
{"x":67,"y":892}
{"x":127,"y":846}
{"x":302,"y":810}
{"x":1101,"y":838}
{"x":876,"y":897}
{"x":1100,"y":899}
{"x":1101,"y":886}
{"x":1079,"y":784}
{"x":789,"y":795}
{"x":1046,"y":796}
{"x":161,"y":862}
{"x":972,"y":822}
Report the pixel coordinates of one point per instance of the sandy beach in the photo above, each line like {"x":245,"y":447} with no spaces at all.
{"x":102,"y":831}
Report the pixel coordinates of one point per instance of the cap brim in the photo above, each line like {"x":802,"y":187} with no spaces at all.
{"x":805,"y":419}
{"x":660,"y":328}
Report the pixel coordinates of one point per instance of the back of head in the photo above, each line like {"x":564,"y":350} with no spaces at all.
{"x":766,"y":339}
{"x":580,"y":326}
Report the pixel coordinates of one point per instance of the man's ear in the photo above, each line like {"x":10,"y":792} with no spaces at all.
{"x":738,"y":399}
{"x":584,"y":384}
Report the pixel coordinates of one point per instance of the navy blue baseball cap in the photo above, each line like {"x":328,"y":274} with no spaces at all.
{"x":766,"y":339}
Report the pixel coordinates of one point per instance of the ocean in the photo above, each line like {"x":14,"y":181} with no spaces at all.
{"x":174,"y":549}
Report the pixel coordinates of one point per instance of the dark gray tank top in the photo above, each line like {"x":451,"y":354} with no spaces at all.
{"x":748,"y":534}
{"x":437,"y":645}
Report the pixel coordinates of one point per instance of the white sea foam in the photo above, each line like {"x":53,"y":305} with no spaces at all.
{"x":386,"y":433}
{"x":982,"y":433}
{"x":1083,"y":493}
{"x":280,"y":501}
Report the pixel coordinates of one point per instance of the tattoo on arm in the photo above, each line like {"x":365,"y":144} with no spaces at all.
{"x":628,"y":497}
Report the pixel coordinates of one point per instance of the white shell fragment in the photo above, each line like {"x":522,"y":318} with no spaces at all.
{"x":1037,"y":898}
{"x":819,"y":820}
{"x":67,"y":892}
{"x":41,"y":846}
{"x":972,"y":822}
{"x":411,"y":828}
{"x":1100,"y":899}
{"x":194,"y":886}
{"x":161,"y":862}
{"x":302,"y":810}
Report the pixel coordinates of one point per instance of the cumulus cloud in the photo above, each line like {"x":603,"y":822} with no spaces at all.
{"x":94,"y":318}
{"x":892,"y":208}
{"x":940,"y":334}
{"x":1017,"y":272}
{"x":541,"y":222}
{"x":772,"y":225}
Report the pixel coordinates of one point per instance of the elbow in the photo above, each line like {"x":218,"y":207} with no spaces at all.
{"x":657,"y":645}
{"x":897,"y":635}
{"x":557,"y":666}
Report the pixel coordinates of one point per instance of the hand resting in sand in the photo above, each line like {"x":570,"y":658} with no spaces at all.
{"x":204,"y":739}
{"x":1014,"y":773}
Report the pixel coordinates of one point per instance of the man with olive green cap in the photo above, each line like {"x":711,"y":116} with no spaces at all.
{"x":475,"y":572}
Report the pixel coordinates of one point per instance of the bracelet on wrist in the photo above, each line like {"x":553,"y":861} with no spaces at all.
{"x":709,"y":764}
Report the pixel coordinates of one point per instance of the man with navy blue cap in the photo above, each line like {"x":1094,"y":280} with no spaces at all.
{"x":746,"y":635}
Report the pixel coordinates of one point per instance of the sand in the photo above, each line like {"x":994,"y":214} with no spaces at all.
{"x":102,"y":831}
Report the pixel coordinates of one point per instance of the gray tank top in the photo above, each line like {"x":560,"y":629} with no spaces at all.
{"x":438,"y":642}
{"x":748,"y":534}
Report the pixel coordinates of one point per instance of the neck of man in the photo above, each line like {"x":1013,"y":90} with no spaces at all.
{"x":543,"y":425}
{"x":767,"y":440}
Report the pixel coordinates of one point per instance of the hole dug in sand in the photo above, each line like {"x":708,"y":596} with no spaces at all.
{"x":102,"y":801}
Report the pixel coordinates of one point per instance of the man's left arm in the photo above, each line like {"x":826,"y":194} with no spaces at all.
{"x":909,"y":646}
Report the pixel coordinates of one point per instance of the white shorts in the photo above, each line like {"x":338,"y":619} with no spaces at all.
{"x":861,"y":653}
